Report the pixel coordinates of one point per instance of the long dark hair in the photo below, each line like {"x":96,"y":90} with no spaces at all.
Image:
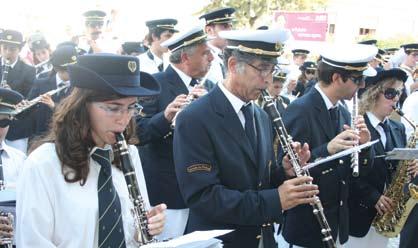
{"x":71,"y":132}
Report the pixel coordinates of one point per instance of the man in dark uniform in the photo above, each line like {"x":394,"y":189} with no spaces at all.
{"x":160,"y":30}
{"x":20,"y":75}
{"x":223,"y":149}
{"x":216,"y":21}
{"x":319,"y":119}
{"x":190,"y":60}
{"x":61,"y":58}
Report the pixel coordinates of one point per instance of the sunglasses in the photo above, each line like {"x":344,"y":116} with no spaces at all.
{"x":5,"y":122}
{"x":310,"y":72}
{"x":357,"y":80}
{"x":391,"y":93}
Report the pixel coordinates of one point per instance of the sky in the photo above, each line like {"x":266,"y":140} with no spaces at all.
{"x":56,"y":19}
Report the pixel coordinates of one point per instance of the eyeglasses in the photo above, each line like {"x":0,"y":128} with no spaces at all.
{"x":263,"y":72}
{"x":391,"y":93}
{"x":357,"y":80}
{"x":117,"y":110}
{"x":310,"y":72}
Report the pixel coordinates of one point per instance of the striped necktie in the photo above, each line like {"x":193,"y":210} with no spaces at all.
{"x":110,"y":217}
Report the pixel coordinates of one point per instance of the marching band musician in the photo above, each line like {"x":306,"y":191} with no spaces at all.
{"x":366,"y":193}
{"x":41,"y":53}
{"x":409,"y":64}
{"x":11,"y":159}
{"x":216,"y":21}
{"x":72,"y":192}
{"x":318,"y":119}
{"x":93,"y":41}
{"x":61,"y":58}
{"x":20,"y":77}
{"x":224,"y":179}
{"x":190,"y":60}
{"x":160,"y":30}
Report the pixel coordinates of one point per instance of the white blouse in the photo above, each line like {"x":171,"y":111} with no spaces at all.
{"x":54,"y":213}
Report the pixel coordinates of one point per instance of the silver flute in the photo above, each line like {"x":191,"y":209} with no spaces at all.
{"x":286,"y":143}
{"x":190,"y":98}
{"x":355,"y":154}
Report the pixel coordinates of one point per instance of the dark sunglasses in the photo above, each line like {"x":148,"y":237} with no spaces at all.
{"x":4,"y":123}
{"x":357,"y":80}
{"x":391,"y":93}
{"x":310,"y":72}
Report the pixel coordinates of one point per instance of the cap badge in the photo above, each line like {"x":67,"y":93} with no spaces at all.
{"x":73,"y":58}
{"x":278,"y":46}
{"x":9,"y":37}
{"x":132,"y":66}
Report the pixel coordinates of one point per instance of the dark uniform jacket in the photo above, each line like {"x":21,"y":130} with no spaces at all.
{"x":20,"y":78}
{"x":308,"y":120}
{"x":225,"y":185}
{"x":156,"y":143}
{"x":409,"y":237}
{"x":366,"y":191}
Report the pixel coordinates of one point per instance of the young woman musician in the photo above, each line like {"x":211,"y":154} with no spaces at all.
{"x":367,"y":197}
{"x":72,"y":191}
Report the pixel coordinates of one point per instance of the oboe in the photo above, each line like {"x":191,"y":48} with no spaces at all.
{"x":138,"y":211}
{"x":286,"y":143}
{"x":354,"y":155}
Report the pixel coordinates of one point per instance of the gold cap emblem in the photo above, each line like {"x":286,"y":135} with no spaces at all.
{"x":132,"y":66}
{"x":278,"y":46}
{"x":9,"y":37}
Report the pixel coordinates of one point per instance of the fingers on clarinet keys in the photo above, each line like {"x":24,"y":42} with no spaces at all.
{"x":296,"y":191}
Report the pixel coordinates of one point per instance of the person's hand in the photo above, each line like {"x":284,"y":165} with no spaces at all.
{"x":172,"y":108}
{"x":198,"y":91}
{"x":383,"y":205}
{"x":297,"y":191}
{"x":413,"y":168}
{"x":94,"y":46}
{"x":6,"y":228}
{"x":156,"y":219}
{"x":363,"y":131}
{"x":302,"y":152}
{"x":46,"y":99}
{"x":343,"y":141}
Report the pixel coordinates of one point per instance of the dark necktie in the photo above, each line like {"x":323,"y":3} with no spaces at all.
{"x":160,"y":67}
{"x":335,"y":116}
{"x":110,"y":218}
{"x":193,"y":82}
{"x":248,"y":112}
{"x":389,"y":142}
{"x":221,"y":56}
{"x":1,"y":170}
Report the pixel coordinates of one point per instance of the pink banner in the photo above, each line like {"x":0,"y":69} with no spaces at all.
{"x":307,"y":26}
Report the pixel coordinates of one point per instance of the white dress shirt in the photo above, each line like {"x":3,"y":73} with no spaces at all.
{"x":235,"y":102}
{"x":215,"y":72}
{"x":148,"y":65}
{"x":54,"y":213}
{"x":12,"y":162}
{"x":375,"y":123}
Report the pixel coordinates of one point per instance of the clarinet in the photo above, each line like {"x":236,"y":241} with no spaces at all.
{"x":4,"y":75}
{"x":138,"y":211}
{"x":286,"y":143}
{"x":354,"y":155}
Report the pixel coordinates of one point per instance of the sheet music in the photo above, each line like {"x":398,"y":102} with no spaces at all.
{"x":197,"y":239}
{"x":402,"y":154}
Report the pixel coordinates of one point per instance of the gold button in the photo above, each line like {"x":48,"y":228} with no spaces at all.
{"x":341,"y":161}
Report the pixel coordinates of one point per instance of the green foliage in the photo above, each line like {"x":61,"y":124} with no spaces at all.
{"x":249,"y":11}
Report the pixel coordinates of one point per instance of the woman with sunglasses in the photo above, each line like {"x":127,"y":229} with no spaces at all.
{"x":367,"y":193}
{"x":306,"y":79}
{"x":72,"y":191}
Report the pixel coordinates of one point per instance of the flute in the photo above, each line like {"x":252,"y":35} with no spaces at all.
{"x":355,"y":154}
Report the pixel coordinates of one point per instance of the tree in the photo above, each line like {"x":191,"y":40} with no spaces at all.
{"x":249,"y":11}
